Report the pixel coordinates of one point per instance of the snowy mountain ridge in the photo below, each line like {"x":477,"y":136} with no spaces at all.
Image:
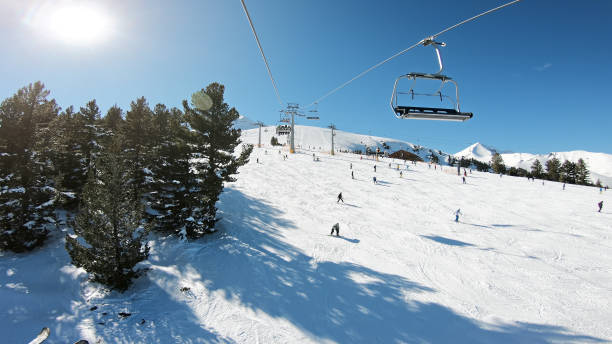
{"x":599,"y":164}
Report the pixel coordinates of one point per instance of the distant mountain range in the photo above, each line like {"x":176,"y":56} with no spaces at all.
{"x":599,"y":164}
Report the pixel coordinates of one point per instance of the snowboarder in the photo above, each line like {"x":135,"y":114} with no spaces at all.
{"x":457,"y":213}
{"x":352,"y":175}
{"x":600,"y":204}
{"x":336,"y":228}
{"x":340,"y":198}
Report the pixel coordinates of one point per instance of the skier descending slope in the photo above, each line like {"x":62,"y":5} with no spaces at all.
{"x":457,"y":213}
{"x":600,"y":204}
{"x":340,"y":198}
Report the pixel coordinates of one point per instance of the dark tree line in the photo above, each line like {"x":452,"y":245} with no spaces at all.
{"x":553,"y":170}
{"x":119,"y":175}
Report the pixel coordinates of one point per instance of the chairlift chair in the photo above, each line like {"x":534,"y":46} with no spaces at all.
{"x":428,"y":113}
{"x":283,"y":129}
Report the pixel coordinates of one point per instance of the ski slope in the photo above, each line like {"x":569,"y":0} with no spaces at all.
{"x":319,"y":139}
{"x":527,"y":263}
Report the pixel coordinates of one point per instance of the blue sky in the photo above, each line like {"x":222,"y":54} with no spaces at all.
{"x":534,"y":74}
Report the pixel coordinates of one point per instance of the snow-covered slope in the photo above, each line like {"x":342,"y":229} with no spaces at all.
{"x":319,"y":139}
{"x":599,"y":164}
{"x":527,"y":263}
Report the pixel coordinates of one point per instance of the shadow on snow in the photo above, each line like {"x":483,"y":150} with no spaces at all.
{"x":343,"y":302}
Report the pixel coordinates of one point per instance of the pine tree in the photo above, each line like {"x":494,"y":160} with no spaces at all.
{"x":536,"y":169}
{"x":214,"y":140}
{"x":497,"y":163}
{"x":26,"y":188}
{"x":582,"y":173}
{"x":113,"y":119}
{"x":568,"y":172}
{"x":137,"y":143}
{"x":553,"y":169}
{"x":108,"y":238}
{"x":169,"y":201}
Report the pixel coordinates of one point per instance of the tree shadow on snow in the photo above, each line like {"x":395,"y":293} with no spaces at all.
{"x":337,"y":301}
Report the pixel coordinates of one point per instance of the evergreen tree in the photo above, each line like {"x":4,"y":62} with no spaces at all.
{"x":497,"y":163}
{"x":170,"y":202}
{"x":568,"y":172}
{"x":137,"y":143}
{"x":274,"y":141}
{"x":26,"y":188}
{"x":108,"y":239}
{"x":113,"y":119}
{"x":582,"y":173}
{"x":536,"y":169}
{"x":214,"y":140}
{"x":553,"y":169}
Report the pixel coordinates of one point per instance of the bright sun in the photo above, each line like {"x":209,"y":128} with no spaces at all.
{"x":78,"y":24}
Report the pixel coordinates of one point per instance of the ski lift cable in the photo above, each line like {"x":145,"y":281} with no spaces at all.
{"x":428,"y":39}
{"x":262,"y":53}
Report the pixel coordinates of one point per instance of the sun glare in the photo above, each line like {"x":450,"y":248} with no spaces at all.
{"x":78,"y":24}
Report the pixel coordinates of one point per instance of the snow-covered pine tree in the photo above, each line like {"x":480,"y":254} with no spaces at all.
{"x":214,"y":141}
{"x":26,"y":187}
{"x":109,"y":238}
{"x":169,"y":197}
{"x":137,"y":144}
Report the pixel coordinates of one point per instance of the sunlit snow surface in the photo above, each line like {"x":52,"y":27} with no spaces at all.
{"x":527,"y":263}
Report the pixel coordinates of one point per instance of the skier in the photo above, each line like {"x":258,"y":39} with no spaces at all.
{"x":352,"y":175}
{"x":600,"y":204}
{"x":401,"y":174}
{"x":374,"y":179}
{"x":374,"y":168}
{"x":340,"y":198}
{"x":563,"y":186}
{"x":457,"y":213}
{"x":258,"y":160}
{"x":464,"y":180}
{"x":336,"y":228}
{"x":351,"y":166}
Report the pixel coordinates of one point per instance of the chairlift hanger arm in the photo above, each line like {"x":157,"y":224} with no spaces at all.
{"x":410,"y":48}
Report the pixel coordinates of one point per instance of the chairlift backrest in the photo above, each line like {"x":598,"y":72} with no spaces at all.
{"x":429,"y":113}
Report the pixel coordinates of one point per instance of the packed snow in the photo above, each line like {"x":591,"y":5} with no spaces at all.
{"x":526,"y":263}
